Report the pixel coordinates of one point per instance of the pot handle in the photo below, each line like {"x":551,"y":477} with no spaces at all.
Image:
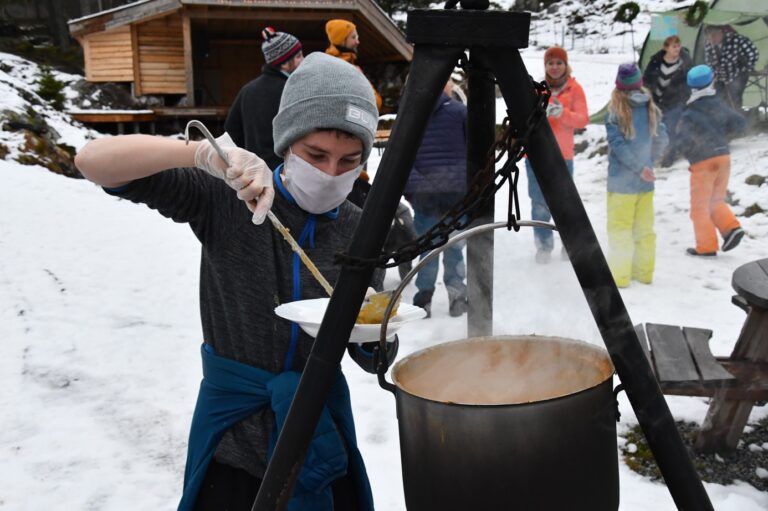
{"x":380,"y":351}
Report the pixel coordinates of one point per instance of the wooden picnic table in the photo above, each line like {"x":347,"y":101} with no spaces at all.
{"x":727,"y":415}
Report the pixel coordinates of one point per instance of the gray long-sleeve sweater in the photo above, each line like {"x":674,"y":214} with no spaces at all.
{"x":245,"y":272}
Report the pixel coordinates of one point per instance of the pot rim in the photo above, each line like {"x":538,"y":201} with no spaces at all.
{"x":545,"y":338}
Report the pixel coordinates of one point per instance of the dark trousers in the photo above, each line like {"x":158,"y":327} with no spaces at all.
{"x":670,"y":120}
{"x":228,"y":488}
{"x":733,"y":91}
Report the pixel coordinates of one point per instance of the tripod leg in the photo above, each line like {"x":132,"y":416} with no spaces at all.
{"x":430,"y":70}
{"x":481,"y":134}
{"x":599,"y":288}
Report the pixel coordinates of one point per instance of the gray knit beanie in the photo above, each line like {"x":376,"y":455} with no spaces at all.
{"x":325,"y":92}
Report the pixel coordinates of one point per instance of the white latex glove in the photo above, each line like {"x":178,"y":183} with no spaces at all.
{"x":246,"y":173}
{"x":554,"y":109}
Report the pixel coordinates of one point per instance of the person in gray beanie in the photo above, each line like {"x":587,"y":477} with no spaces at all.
{"x":329,"y":93}
{"x":249,"y":120}
{"x":252,"y":359}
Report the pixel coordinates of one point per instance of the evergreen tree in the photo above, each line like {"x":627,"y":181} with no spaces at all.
{"x":50,"y":89}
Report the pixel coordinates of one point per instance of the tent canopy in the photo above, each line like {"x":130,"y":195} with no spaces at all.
{"x":745,"y":16}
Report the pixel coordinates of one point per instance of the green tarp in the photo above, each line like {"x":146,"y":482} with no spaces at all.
{"x":747,"y":17}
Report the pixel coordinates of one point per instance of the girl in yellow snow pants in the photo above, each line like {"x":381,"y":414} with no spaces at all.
{"x":631,"y":237}
{"x":636,"y":139}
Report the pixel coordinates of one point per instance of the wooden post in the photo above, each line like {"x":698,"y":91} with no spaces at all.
{"x":136,"y":63}
{"x":726,"y":418}
{"x":189,"y":64}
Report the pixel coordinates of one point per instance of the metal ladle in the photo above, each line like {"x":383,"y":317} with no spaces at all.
{"x":374,"y":304}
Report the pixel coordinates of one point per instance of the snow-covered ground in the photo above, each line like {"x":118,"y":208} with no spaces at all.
{"x":100,"y":327}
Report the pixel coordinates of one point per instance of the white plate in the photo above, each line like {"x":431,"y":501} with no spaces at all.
{"x":309,"y":313}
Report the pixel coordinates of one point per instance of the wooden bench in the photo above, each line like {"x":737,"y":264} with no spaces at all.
{"x":381,"y":138}
{"x":682,"y":360}
{"x":685,"y":366}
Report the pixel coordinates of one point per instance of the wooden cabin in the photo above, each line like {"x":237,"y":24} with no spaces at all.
{"x":197,"y":54}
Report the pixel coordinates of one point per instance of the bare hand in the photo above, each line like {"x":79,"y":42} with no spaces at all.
{"x":648,"y":175}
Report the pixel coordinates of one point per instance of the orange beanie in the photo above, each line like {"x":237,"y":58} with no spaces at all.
{"x":338,"y":31}
{"x":556,"y":52}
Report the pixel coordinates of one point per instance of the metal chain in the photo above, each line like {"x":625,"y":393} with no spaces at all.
{"x":484,"y":185}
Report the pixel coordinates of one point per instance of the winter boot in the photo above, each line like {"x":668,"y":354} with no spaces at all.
{"x":543,"y":256}
{"x":423,"y":299}
{"x":732,"y":238}
{"x":692,"y":252}
{"x":457,"y":302}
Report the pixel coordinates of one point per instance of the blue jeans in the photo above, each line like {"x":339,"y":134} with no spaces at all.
{"x":428,"y":208}
{"x":539,"y":210}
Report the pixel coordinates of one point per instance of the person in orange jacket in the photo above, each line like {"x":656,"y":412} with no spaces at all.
{"x":567,"y":111}
{"x":344,"y":41}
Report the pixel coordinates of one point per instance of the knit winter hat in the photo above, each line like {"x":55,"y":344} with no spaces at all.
{"x":629,"y":77}
{"x":556,"y":52}
{"x":278,"y":47}
{"x":338,"y":31}
{"x":325,"y":92}
{"x":700,"y":76}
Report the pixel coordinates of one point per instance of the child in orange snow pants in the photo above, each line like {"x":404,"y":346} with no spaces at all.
{"x":704,"y":129}
{"x":709,"y":212}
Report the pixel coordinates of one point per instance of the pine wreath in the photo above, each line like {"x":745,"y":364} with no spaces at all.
{"x":696,"y":13}
{"x":627,"y":12}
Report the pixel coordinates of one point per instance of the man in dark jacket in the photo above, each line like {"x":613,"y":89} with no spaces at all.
{"x":437,"y":181}
{"x":249,"y":121}
{"x":704,"y":131}
{"x":665,"y":76}
{"x":732,"y":57}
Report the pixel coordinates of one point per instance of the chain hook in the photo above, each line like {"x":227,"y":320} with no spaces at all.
{"x":484,"y":185}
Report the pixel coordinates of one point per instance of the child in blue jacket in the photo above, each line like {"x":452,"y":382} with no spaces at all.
{"x":705,"y":127}
{"x":636,"y":139}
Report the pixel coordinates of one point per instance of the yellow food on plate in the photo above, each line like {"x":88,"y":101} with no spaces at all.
{"x":374,"y":307}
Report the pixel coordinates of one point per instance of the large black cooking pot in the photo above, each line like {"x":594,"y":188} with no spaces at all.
{"x":505,"y":422}
{"x":508,"y":422}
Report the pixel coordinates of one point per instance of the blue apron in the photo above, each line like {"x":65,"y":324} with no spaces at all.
{"x":231,"y":391}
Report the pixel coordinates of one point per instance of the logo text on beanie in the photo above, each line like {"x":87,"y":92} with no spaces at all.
{"x":359,"y":116}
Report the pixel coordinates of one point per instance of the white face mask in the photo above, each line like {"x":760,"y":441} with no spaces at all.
{"x":314,"y":190}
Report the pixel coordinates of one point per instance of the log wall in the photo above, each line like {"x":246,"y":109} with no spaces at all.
{"x":159,"y":65}
{"x":108,"y":56}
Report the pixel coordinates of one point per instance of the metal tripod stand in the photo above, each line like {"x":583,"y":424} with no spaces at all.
{"x":440,"y":39}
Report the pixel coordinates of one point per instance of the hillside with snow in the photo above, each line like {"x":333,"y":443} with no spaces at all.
{"x":100,"y":322}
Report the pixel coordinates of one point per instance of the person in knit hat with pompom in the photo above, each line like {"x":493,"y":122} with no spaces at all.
{"x":636,"y":140}
{"x":252,"y":358}
{"x":249,"y":121}
{"x":343,"y":41}
{"x":566,"y":112}
{"x":705,"y":127}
